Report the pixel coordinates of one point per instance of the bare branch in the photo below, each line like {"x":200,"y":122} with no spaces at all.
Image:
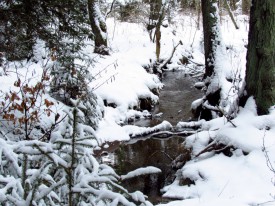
{"x":111,"y":9}
{"x":268,"y":161}
{"x":159,"y":69}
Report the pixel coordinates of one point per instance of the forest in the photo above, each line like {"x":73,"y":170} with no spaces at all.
{"x":137,"y":102}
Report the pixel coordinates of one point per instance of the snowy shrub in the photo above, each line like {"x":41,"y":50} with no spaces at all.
{"x":70,"y":77}
{"x":61,"y":171}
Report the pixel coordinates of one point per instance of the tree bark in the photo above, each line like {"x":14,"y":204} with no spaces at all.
{"x":158,"y":32}
{"x":155,"y":12}
{"x":198,"y":8}
{"x":98,"y":27}
{"x":155,"y":9}
{"x":260,"y":67}
{"x":210,"y":35}
{"x":246,"y":6}
{"x":233,"y":4}
{"x":158,"y":37}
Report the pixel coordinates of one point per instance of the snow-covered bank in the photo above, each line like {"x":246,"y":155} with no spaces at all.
{"x":242,"y":179}
{"x":125,"y":79}
{"x":121,"y":81}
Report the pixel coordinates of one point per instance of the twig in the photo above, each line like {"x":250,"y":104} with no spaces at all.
{"x":268,"y":161}
{"x":198,"y":64}
{"x":223,"y":188}
{"x":267,"y":202}
{"x":169,"y":59}
{"x":208,"y":148}
{"x":220,"y":110}
{"x":49,"y":131}
{"x":99,"y":85}
{"x":111,"y":9}
{"x":161,"y":152}
{"x":105,"y":68}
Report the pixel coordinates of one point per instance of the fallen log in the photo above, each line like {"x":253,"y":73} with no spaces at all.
{"x":167,"y":134}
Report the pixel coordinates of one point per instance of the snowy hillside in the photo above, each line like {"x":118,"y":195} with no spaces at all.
{"x":120,"y":81}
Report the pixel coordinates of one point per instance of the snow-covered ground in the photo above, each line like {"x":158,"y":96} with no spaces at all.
{"x":133,"y":49}
{"x":242,"y":179}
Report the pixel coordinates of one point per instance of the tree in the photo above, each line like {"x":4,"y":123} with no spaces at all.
{"x":260,"y":67}
{"x":158,"y":32}
{"x":227,"y":6}
{"x":99,"y":28}
{"x":246,"y":6}
{"x":210,"y":35}
{"x":211,"y":42}
{"x":62,"y":26}
{"x":50,"y":21}
{"x":233,"y":4}
{"x":217,"y":100}
{"x":157,"y":14}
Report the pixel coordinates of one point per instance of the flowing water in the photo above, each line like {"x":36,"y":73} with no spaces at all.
{"x":175,"y":100}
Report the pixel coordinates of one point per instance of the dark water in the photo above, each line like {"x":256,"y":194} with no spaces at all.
{"x":149,"y":152}
{"x":175,"y":101}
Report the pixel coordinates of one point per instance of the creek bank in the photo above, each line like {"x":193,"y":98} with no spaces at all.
{"x":175,"y":100}
{"x":162,"y":149}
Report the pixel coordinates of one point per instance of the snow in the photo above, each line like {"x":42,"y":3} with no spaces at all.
{"x":141,"y":171}
{"x":135,"y":131}
{"x":243,"y":178}
{"x":240,"y":180}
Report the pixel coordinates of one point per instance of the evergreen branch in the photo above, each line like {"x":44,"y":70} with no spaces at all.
{"x":47,"y":154}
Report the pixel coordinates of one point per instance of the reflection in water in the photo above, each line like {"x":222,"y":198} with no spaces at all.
{"x":148,"y":152}
{"x":175,"y":101}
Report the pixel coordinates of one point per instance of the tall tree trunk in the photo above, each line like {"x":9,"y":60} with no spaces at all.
{"x":227,"y":6}
{"x":246,"y":6}
{"x":233,"y":4}
{"x":158,"y":32}
{"x":158,"y":37}
{"x":260,"y":67}
{"x":210,"y":35}
{"x":98,"y":27}
{"x":155,"y":10}
{"x":198,"y":8}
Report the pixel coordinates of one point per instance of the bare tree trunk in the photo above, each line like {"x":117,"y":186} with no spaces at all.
{"x":210,"y":34}
{"x":155,"y":12}
{"x":260,"y":67}
{"x":155,"y":9}
{"x":230,"y":14}
{"x":233,"y":4}
{"x":158,"y":37}
{"x":198,"y":6}
{"x":246,"y":6}
{"x":98,"y":27}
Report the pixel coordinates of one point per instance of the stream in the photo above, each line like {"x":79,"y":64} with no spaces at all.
{"x":175,"y":101}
